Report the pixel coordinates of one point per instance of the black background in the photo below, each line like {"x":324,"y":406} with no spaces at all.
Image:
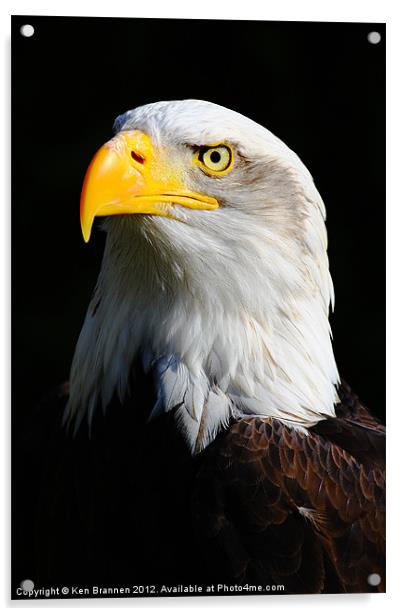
{"x":320,"y":87}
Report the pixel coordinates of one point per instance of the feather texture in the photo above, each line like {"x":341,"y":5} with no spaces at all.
{"x":264,"y":503}
{"x":282,"y":496}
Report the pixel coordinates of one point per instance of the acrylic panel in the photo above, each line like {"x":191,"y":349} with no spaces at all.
{"x":192,"y":412}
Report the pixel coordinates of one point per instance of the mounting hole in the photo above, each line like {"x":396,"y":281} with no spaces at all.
{"x":27,"y":585}
{"x":374,"y":38}
{"x":374,"y":579}
{"x":27,"y":30}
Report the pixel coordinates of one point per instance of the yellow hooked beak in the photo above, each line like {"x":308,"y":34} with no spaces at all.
{"x":126,"y":176}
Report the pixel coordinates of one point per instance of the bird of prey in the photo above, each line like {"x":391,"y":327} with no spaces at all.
{"x":207,"y":345}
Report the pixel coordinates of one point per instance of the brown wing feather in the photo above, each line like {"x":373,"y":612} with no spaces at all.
{"x":306,"y":511}
{"x":272,"y":506}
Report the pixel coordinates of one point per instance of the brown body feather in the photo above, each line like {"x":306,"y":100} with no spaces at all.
{"x":283,"y":507}
{"x":263,"y":504}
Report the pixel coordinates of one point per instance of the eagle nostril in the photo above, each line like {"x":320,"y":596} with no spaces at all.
{"x":137,"y":157}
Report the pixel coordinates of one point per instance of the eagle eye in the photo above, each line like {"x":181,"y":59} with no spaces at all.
{"x":215,"y":159}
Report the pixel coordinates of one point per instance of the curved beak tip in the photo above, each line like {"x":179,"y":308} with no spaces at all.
{"x":86,"y":228}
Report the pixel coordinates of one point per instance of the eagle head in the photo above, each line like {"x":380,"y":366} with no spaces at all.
{"x":215,"y":273}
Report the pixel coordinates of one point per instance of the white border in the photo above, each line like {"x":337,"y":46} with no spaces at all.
{"x":286,"y":10}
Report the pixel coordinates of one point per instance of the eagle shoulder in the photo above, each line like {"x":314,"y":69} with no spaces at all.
{"x":276,"y":505}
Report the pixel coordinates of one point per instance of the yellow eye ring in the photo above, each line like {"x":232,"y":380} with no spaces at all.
{"x":215,"y":159}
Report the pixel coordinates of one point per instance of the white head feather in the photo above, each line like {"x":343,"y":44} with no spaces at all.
{"x":229,"y":309}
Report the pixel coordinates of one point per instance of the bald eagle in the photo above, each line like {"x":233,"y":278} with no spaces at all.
{"x":228,"y":449}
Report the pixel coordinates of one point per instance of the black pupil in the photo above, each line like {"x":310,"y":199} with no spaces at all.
{"x":215,"y":157}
